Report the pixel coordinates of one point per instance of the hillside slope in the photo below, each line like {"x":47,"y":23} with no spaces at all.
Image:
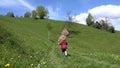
{"x":87,"y":46}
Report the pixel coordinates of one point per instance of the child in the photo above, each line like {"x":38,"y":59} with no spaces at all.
{"x":63,"y":43}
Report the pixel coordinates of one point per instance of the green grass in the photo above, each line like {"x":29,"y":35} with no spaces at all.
{"x":88,"y":47}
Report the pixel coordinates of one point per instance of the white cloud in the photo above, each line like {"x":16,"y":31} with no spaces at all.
{"x":110,"y":11}
{"x":116,"y":23}
{"x":53,"y":13}
{"x":81,"y":18}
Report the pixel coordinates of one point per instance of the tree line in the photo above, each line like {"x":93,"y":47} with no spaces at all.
{"x":102,"y":24}
{"x":39,"y":13}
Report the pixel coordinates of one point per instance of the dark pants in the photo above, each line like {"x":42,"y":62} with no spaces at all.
{"x":63,"y":51}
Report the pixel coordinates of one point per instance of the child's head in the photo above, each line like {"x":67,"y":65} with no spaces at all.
{"x":62,"y":37}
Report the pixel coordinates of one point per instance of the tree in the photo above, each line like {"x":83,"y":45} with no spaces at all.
{"x":10,"y":14}
{"x":69,"y":22}
{"x":27,"y":15}
{"x":104,"y":24}
{"x":97,"y":25}
{"x":41,"y":12}
{"x":34,"y":14}
{"x":111,"y":29}
{"x":89,"y":20}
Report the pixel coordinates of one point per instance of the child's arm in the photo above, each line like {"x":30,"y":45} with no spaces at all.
{"x":60,"y":42}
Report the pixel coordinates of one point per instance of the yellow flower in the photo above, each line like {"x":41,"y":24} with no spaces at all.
{"x":30,"y":56}
{"x":7,"y":65}
{"x":31,"y":65}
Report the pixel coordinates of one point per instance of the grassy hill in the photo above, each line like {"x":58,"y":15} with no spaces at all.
{"x":28,"y":45}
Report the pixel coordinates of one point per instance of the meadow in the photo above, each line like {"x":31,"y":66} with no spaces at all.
{"x":26,"y":45}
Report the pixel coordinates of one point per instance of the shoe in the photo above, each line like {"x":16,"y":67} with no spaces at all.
{"x":65,"y":53}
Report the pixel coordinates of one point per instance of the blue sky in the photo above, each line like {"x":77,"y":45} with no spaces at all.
{"x":58,"y":9}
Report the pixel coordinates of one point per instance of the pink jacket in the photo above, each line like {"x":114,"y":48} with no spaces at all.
{"x":63,"y":44}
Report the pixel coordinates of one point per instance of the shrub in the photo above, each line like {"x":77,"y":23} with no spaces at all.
{"x":97,"y":25}
{"x":111,"y":29}
{"x":10,"y":14}
{"x":27,"y":15}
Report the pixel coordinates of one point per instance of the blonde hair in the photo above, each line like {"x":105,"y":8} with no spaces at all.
{"x":62,"y":37}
